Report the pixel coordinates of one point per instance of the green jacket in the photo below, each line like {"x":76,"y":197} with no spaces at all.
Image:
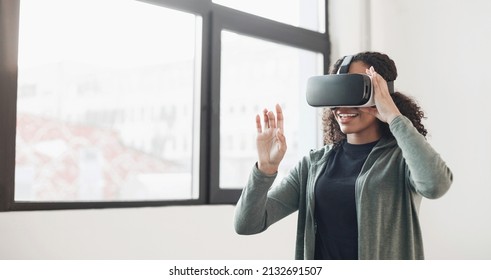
{"x":396,"y":175}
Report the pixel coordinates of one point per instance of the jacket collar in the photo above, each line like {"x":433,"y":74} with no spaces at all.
{"x":320,"y":155}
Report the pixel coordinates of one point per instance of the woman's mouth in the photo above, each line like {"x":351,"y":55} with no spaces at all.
{"x":346,"y":117}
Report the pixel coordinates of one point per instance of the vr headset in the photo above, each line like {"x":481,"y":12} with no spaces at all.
{"x":342,"y":89}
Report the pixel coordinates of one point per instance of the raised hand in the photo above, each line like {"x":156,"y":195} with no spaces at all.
{"x":270,"y":141}
{"x":385,"y":110}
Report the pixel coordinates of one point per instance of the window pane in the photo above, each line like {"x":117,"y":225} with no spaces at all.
{"x":309,"y":14}
{"x":257,"y":74}
{"x":106,"y":91}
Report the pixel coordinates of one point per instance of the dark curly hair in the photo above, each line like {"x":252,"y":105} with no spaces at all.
{"x":386,"y":68}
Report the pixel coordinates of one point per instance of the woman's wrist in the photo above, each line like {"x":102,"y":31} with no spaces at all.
{"x":267,"y":169}
{"x":391,"y":117}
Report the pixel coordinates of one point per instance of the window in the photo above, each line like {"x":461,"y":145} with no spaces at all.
{"x":256,"y":73}
{"x":122,"y":103}
{"x":302,"y":13}
{"x":87,"y":130}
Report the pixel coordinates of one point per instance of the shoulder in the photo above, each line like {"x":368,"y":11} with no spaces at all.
{"x":313,"y":158}
{"x":319,"y":155}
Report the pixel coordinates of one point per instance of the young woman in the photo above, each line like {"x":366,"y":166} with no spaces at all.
{"x":358,"y":197}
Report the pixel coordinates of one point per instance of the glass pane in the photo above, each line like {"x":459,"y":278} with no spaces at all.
{"x":309,"y":14}
{"x":257,"y":74}
{"x":106,"y":96}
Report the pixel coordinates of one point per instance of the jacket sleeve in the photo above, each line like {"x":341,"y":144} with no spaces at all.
{"x":429,"y":174}
{"x":261,"y":205}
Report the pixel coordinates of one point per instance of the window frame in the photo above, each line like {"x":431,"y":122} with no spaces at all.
{"x":215,"y":18}
{"x":254,"y":26}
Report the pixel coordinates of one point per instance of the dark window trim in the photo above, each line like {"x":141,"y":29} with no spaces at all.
{"x":254,"y":26}
{"x":215,"y":18}
{"x":9,"y":26}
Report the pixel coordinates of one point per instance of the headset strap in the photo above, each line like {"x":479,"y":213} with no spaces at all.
{"x":390,"y":85}
{"x":344,"y":69}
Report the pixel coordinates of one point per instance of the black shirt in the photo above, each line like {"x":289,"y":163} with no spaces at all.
{"x":335,"y":208}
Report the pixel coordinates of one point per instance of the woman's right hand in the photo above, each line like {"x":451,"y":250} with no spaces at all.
{"x":271,"y":141}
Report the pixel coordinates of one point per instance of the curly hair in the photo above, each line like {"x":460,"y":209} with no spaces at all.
{"x":407,"y":105}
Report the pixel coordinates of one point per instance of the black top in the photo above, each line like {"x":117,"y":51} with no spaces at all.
{"x":335,"y":208}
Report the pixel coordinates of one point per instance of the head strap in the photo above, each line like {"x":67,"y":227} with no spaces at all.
{"x":344,"y":69}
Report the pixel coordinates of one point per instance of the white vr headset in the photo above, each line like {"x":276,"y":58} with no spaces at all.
{"x":342,"y":89}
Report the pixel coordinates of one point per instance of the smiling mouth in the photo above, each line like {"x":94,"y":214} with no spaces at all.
{"x":345,"y":116}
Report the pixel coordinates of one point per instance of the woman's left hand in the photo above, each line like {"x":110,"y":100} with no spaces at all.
{"x":385,"y":109}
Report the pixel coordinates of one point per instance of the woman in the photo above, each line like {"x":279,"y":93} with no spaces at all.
{"x":358,"y":197}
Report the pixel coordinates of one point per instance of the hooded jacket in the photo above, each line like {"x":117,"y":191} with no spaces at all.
{"x":397,"y":173}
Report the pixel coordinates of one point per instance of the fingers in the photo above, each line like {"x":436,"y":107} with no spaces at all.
{"x":386,"y":108}
{"x":282,"y":139}
{"x":265,"y":116}
{"x":379,"y":84}
{"x":279,"y":116}
{"x":258,"y":124}
{"x":270,"y":120}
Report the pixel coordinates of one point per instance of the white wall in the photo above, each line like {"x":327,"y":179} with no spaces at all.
{"x":441,"y":50}
{"x":191,"y":232}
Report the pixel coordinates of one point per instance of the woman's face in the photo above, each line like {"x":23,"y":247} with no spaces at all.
{"x":359,"y":127}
